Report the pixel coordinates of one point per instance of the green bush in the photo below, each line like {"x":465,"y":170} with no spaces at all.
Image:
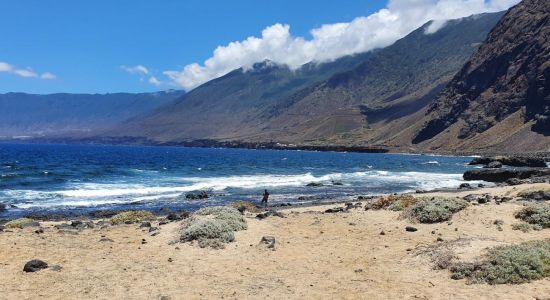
{"x":392,"y":202}
{"x":132,"y":216}
{"x":20,"y":223}
{"x":435,"y":209}
{"x":245,"y":205}
{"x":209,"y":229}
{"x":537,"y":214}
{"x":508,"y":264}
{"x":217,"y":231}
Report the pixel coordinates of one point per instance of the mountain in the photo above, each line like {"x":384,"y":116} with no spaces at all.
{"x":500,"y":99}
{"x":231,"y":105}
{"x":73,"y":114}
{"x":359,"y":100}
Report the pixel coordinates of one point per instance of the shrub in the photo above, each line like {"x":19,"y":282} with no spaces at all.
{"x":245,"y":205}
{"x":521,"y":226}
{"x":20,"y":223}
{"x":216,"y":231}
{"x":392,"y":202}
{"x":538,"y":214}
{"x":132,"y":216}
{"x":435,"y":209}
{"x":508,"y":264}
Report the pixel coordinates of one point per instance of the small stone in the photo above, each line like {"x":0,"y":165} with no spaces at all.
{"x":382,"y":233}
{"x":35,"y":265}
{"x":439,"y":239}
{"x":269,"y":241}
{"x":170,"y":259}
{"x":106,"y":240}
{"x":151,"y":229}
{"x":39,"y":231}
{"x":411,"y":229}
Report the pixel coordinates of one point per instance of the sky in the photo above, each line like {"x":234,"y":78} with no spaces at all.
{"x":105,"y":46}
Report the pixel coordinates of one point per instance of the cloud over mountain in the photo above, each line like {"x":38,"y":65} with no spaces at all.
{"x":27,"y":73}
{"x":332,"y":41}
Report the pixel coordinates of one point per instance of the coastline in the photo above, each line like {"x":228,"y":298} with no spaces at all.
{"x":317,"y":255}
{"x":207,"y":143}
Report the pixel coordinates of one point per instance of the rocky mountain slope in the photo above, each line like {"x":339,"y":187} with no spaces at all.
{"x":500,"y":99}
{"x":360,"y":100}
{"x":73,"y":114}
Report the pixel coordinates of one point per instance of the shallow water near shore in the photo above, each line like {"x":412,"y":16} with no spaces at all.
{"x":76,"y":179}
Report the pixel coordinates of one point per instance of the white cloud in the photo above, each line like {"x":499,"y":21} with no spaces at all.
{"x":48,"y":76}
{"x":25,"y":73}
{"x":28,"y":73}
{"x":154,"y":81}
{"x":5,"y":67}
{"x":332,"y":41}
{"x":139,"y":69}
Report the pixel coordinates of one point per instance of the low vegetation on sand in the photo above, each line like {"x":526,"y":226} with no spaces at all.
{"x":434,"y":210}
{"x":214,"y":226}
{"x":19,"y":223}
{"x":132,"y":216}
{"x":392,"y":202}
{"x":536,"y":214}
{"x":245,"y":206}
{"x":508,"y":264}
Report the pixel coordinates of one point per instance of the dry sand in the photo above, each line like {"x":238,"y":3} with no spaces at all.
{"x":317,"y":256}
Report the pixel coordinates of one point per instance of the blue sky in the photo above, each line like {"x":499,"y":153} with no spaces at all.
{"x":84,"y":43}
{"x":102,"y":46}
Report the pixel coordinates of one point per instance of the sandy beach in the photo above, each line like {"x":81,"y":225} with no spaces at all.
{"x":317,"y":255}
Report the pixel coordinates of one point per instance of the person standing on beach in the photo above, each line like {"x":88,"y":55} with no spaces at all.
{"x":265,"y":198}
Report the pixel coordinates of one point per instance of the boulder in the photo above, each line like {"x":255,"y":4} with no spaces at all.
{"x":513,"y":161}
{"x":335,"y":210}
{"x":314,"y":184}
{"x":536,"y":196}
{"x":501,"y":175}
{"x":271,"y":213}
{"x":493,"y":165}
{"x":35,"y":265}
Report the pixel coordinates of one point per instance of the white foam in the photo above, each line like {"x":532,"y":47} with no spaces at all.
{"x":92,"y":194}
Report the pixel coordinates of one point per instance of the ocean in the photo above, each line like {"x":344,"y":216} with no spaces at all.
{"x":78,"y":179}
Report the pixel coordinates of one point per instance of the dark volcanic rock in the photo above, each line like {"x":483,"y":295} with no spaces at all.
{"x":494,"y":165}
{"x":411,"y":229}
{"x":513,"y":161}
{"x":197,"y":196}
{"x":35,"y":265}
{"x":314,"y":184}
{"x":3,"y":207}
{"x":501,"y":175}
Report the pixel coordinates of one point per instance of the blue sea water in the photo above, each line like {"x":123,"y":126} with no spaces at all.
{"x":75,"y":179}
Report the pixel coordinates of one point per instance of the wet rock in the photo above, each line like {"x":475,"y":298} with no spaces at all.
{"x":197,"y":196}
{"x":35,"y":265}
{"x":268,"y":241}
{"x":513,"y":161}
{"x":337,"y":183}
{"x":104,"y":214}
{"x":502,"y":175}
{"x":493,"y":165}
{"x":411,"y":229}
{"x":465,"y":186}
{"x":314,"y":184}
{"x":3,"y":207}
